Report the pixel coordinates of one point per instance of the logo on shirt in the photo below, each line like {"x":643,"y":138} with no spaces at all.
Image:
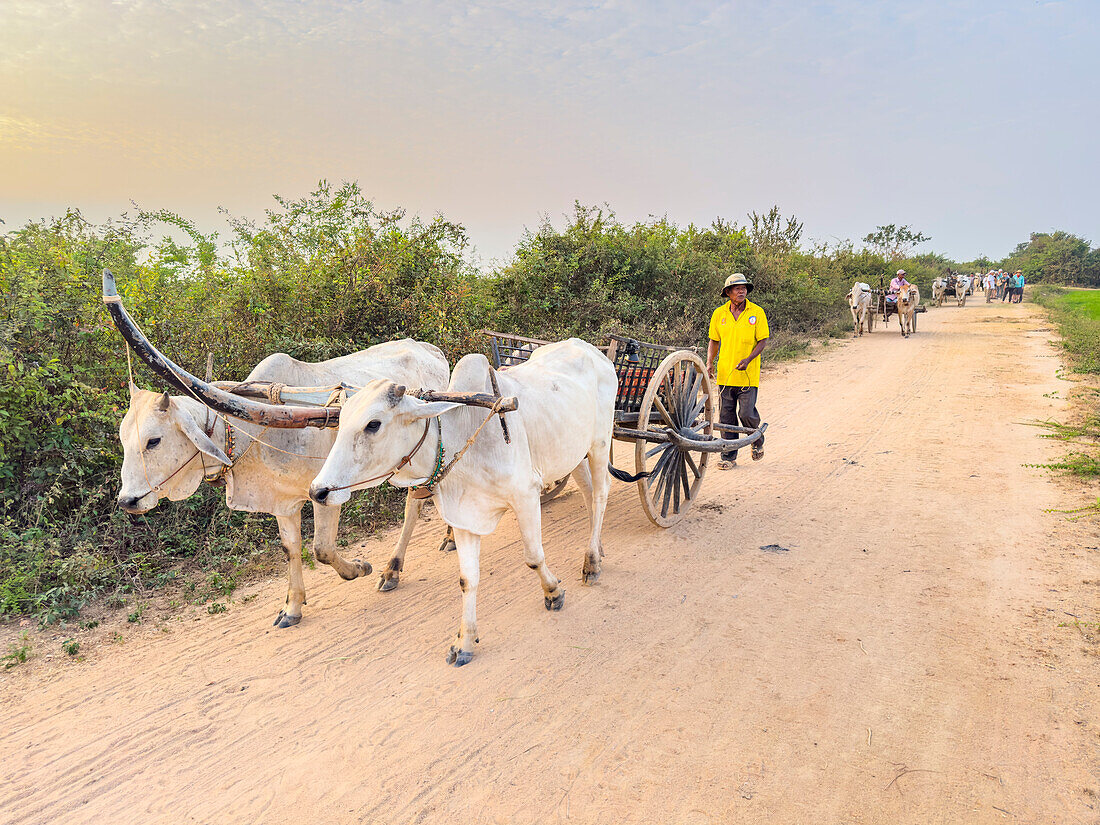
{"x":722,"y":320}
{"x":752,"y":319}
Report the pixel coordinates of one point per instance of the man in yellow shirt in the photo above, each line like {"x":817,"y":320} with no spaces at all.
{"x":738,"y":334}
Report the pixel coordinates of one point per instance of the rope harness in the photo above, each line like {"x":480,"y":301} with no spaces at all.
{"x":439,"y":472}
{"x":218,"y":476}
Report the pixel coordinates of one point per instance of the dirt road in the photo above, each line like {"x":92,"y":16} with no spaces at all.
{"x":901,"y":661}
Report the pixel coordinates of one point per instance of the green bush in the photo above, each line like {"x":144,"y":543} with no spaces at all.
{"x":323,"y":276}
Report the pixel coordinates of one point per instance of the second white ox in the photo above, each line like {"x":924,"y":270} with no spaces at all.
{"x":939,"y":287}
{"x":962,"y":289}
{"x":171,"y":442}
{"x":566,"y":395}
{"x":859,"y":302}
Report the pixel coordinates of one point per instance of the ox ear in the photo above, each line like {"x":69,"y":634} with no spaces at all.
{"x":200,"y":439}
{"x":431,"y":409}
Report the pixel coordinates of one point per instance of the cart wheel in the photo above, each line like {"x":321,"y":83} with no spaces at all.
{"x":683,"y":397}
{"x":551,"y":490}
{"x":914,"y":329}
{"x":870,"y":321}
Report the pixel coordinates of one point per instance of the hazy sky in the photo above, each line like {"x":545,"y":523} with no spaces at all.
{"x":974,"y":122}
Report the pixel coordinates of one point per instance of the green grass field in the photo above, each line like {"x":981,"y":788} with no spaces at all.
{"x":1085,"y":301}
{"x":1077,"y":314}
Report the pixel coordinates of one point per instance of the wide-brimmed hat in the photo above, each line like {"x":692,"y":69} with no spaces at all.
{"x":736,"y":279}
{"x":901,"y":272}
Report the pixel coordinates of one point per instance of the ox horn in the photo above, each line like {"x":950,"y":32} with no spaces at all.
{"x":267,"y":415}
{"x":164,"y":402}
{"x":396,"y":393}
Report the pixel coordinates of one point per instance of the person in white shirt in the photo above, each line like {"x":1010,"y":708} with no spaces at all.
{"x":990,"y":284}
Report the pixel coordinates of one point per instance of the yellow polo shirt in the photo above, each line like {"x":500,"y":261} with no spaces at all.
{"x":737,"y":338}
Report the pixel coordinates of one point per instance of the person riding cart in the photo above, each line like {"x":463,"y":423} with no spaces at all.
{"x":896,"y":285}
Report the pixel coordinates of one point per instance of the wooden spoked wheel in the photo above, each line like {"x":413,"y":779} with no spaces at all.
{"x":683,"y":398}
{"x":552,"y":489}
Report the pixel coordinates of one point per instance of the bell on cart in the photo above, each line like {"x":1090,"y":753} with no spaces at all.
{"x":632,"y":349}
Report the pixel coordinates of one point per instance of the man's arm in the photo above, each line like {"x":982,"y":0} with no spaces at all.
{"x":712,"y":351}
{"x":743,"y":364}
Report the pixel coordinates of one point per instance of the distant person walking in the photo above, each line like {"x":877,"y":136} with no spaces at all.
{"x":738,"y":334}
{"x":990,"y":284}
{"x":1018,"y":292}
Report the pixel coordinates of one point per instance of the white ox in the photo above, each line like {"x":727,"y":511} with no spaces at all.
{"x":170,"y":443}
{"x":908,"y":301}
{"x":939,"y":288}
{"x":859,"y":302}
{"x":962,"y":289}
{"x":566,"y":395}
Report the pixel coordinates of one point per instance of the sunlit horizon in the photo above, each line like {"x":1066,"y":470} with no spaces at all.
{"x":972,"y":123}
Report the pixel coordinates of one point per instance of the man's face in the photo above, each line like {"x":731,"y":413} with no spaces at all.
{"x":738,"y":293}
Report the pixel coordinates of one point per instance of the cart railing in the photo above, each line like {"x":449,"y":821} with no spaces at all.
{"x":635,"y":362}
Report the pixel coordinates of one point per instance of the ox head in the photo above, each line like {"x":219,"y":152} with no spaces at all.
{"x":162,"y":444}
{"x":379,"y":426}
{"x":909,"y":296}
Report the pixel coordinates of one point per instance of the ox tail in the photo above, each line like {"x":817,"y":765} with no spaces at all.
{"x":623,"y":475}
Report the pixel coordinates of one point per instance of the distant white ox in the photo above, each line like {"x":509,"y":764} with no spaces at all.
{"x":170,"y":443}
{"x":939,"y":288}
{"x":566,"y":395}
{"x":908,"y":301}
{"x":962,"y":289}
{"x":859,"y":302}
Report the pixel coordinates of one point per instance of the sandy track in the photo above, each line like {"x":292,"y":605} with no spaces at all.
{"x":901,"y":662}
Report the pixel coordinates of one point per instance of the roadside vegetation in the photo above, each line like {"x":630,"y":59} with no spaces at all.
{"x":1077,"y":314}
{"x":320,"y":276}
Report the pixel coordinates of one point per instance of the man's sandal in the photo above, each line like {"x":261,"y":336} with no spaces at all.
{"x":757,"y":453}
{"x":725,"y":464}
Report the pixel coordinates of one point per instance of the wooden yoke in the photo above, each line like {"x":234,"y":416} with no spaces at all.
{"x":233,"y":398}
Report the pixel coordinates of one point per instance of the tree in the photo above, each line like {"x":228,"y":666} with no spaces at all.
{"x":772,"y":234}
{"x":1056,"y":258}
{"x":895,"y":242}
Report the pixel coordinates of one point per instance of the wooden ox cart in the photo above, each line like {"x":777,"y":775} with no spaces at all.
{"x":880,"y":305}
{"x":666,"y":406}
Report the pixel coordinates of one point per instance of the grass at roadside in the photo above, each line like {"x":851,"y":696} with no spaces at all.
{"x":1077,"y":314}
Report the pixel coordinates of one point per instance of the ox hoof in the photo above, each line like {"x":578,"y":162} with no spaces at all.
{"x":285,"y":620}
{"x":364,"y":567}
{"x":555,"y":603}
{"x":386,"y":585}
{"x":590,"y":577}
{"x":448,"y":546}
{"x":457,"y":657}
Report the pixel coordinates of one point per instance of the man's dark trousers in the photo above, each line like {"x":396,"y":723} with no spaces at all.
{"x":739,"y":408}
